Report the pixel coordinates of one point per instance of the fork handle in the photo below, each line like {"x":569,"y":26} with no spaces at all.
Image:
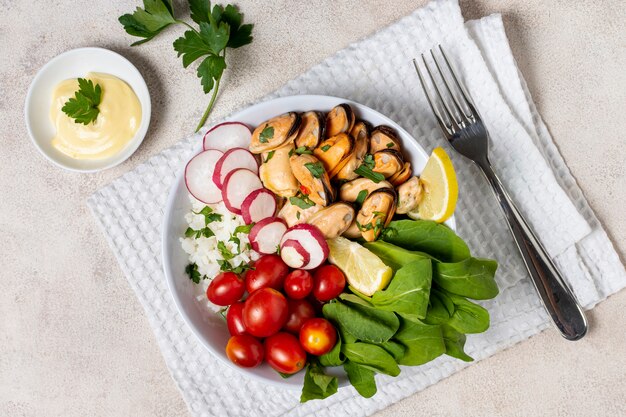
{"x":567,"y":314}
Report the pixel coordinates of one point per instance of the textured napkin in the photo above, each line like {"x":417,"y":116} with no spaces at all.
{"x":377,"y":72}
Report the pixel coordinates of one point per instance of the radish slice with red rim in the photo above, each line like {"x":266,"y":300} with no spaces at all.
{"x":258,"y":205}
{"x":313,"y":242}
{"x":294,"y":254}
{"x":265,"y":236}
{"x":226,"y":136}
{"x":199,"y":176}
{"x":238,"y":184}
{"x":231,"y":160}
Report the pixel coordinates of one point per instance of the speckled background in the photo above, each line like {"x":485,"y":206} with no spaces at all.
{"x":73,"y":338}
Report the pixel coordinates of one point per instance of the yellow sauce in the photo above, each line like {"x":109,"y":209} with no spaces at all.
{"x":114,"y":128}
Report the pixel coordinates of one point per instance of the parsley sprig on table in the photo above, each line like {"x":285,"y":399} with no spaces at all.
{"x":83,"y":107}
{"x":219,"y":28}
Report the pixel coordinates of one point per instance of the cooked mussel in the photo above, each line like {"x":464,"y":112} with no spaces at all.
{"x":402,"y":176}
{"x":275,"y":171}
{"x":388,"y":162}
{"x":311,"y":130}
{"x":313,"y":178}
{"x":293,"y":214}
{"x":360,"y":132}
{"x":275,"y":132}
{"x":376,"y":213}
{"x":384,"y":137}
{"x":339,"y":120}
{"x":333,"y":220}
{"x":335,"y":152}
{"x":353,"y":231}
{"x":409,"y":196}
{"x":350,"y":191}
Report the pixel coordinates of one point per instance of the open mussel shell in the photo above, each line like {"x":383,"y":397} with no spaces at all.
{"x":350,"y":190}
{"x":275,"y":171}
{"x":293,"y":214}
{"x":384,"y":137}
{"x":376,"y":213}
{"x":340,"y":120}
{"x":402,"y":176}
{"x":311,"y":130}
{"x":388,"y":162}
{"x":409,"y":195}
{"x":335,"y":152}
{"x":333,"y":220}
{"x":313,"y":178}
{"x":275,"y":132}
{"x":360,"y":132}
{"x":352,"y":232}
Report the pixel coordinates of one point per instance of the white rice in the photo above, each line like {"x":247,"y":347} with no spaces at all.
{"x":203,"y":251}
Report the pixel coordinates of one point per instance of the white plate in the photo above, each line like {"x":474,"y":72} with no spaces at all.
{"x":73,"y":64}
{"x":208,"y":327}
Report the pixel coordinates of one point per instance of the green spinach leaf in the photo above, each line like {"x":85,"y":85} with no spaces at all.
{"x":317,"y":385}
{"x":330,"y":313}
{"x":408,"y":291}
{"x":393,"y":256}
{"x":334,"y":357}
{"x":472,"y":278}
{"x":361,"y":378}
{"x":423,"y":342}
{"x":364,"y":321}
{"x":394,"y":348}
{"x":468,"y":317}
{"x":372,"y":357}
{"x":455,"y":342}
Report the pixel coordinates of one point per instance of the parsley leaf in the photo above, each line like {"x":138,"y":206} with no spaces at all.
{"x":301,"y":150}
{"x":205,"y":232}
{"x":243,"y":228}
{"x":366,"y":169}
{"x":360,"y":198}
{"x":209,"y":216}
{"x":270,"y":155}
{"x":150,"y":21}
{"x":191,"y":47}
{"x":83,"y":107}
{"x":315,"y":168}
{"x":325,"y":148}
{"x":211,"y":69}
{"x":215,"y":36}
{"x":390,"y":145}
{"x":266,"y":134}
{"x":200,"y":10}
{"x":192,"y":271}
{"x":302,"y":201}
{"x":224,"y":251}
{"x":225,"y":266}
{"x":240,"y":35}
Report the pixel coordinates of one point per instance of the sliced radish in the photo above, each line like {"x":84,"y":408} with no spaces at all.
{"x":265,"y":235}
{"x":231,"y":160}
{"x":294,"y":254}
{"x":258,"y":205}
{"x":313,"y":242}
{"x":226,"y":136}
{"x":238,"y":184}
{"x":199,"y":176}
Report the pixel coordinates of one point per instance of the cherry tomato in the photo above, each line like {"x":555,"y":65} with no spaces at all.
{"x":299,"y":312}
{"x":284,"y":353}
{"x":244,"y":350}
{"x":269,"y":271}
{"x":298,"y":284}
{"x":234,"y":319}
{"x":318,"y":336}
{"x":328,"y":282}
{"x":265,"y":312}
{"x":225,"y":289}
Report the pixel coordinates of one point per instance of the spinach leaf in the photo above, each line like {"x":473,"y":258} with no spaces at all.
{"x":468,"y":317}
{"x":427,"y":236}
{"x":372,"y":357}
{"x":393,"y":256}
{"x":423,"y":342}
{"x":455,"y":342}
{"x":440,"y":308}
{"x":334,"y":357}
{"x":330,"y":313}
{"x":361,"y":378}
{"x":408,"y":291}
{"x":363,"y":321}
{"x":317,"y":385}
{"x":394,"y":348}
{"x":472,"y":277}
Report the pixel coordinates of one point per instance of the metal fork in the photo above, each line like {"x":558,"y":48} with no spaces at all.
{"x":464,"y":129}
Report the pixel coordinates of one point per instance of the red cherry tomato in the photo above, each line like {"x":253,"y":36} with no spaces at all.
{"x":234,"y":319}
{"x":318,"y":336}
{"x":269,"y":271}
{"x":299,"y":312}
{"x":244,"y":350}
{"x":328,"y":282}
{"x":265,"y":312}
{"x":225,"y":289}
{"x":284,"y":353}
{"x":298,"y":284}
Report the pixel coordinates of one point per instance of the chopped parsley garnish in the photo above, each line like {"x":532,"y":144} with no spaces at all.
{"x":390,"y":144}
{"x":360,"y":198}
{"x":366,"y":169}
{"x":209,"y":216}
{"x":302,"y":201}
{"x":205,"y":232}
{"x":266,"y":134}
{"x":365,"y":228}
{"x":270,"y":155}
{"x":243,"y":228}
{"x":325,"y":148}
{"x":303,"y":150}
{"x":194,"y":275}
{"x":225,"y":266}
{"x":315,"y":168}
{"x":83,"y":107}
{"x":224,"y":251}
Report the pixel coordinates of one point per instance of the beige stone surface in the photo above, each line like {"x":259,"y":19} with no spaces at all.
{"x":74,"y":340}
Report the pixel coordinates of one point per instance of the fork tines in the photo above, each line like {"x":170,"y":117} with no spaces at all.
{"x":451,"y":104}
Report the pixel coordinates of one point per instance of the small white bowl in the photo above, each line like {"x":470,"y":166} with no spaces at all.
{"x":73,"y":64}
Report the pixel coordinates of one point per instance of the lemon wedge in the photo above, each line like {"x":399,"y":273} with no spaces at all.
{"x":440,"y":188}
{"x":365,"y":272}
